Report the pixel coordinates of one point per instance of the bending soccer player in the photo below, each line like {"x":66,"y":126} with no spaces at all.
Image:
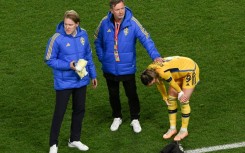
{"x":182,"y":74}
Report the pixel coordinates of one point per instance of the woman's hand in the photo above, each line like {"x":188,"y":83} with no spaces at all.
{"x":182,"y":97}
{"x":167,"y":103}
{"x":72,"y":65}
{"x":94,"y":83}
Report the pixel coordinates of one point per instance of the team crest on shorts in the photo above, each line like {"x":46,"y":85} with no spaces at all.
{"x":82,"y":40}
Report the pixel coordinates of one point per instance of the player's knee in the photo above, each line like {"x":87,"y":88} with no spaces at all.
{"x":173,"y":103}
{"x":172,"y":98}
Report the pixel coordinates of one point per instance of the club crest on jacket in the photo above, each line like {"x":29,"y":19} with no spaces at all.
{"x":82,"y":40}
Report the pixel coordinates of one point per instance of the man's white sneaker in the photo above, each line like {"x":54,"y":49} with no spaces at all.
{"x":79,"y":145}
{"x":53,"y":149}
{"x":115,"y":124}
{"x":136,"y":126}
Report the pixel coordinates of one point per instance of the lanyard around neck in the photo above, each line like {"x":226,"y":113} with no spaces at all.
{"x":116,"y":53}
{"x":117,"y":27}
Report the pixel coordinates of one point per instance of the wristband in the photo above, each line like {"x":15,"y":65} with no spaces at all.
{"x":180,"y":94}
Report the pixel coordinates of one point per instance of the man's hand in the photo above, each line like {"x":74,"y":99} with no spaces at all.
{"x":159,"y":59}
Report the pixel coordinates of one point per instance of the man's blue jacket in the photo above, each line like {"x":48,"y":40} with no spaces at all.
{"x":130,"y":30}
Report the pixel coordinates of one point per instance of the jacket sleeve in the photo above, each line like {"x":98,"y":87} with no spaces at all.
{"x":145,"y":39}
{"x":89,"y":58}
{"x":99,"y":42}
{"x":51,"y":54}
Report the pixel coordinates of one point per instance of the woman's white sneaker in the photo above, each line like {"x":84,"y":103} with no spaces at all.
{"x":53,"y":149}
{"x":79,"y":145}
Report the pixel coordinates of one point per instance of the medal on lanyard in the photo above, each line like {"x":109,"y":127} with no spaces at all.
{"x":116,"y":54}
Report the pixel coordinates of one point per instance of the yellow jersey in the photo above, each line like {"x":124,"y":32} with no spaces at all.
{"x":176,"y":69}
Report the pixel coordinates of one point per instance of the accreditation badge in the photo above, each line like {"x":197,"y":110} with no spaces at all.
{"x":117,"y":59}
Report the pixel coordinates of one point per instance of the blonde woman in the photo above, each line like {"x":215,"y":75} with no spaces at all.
{"x":69,"y":54}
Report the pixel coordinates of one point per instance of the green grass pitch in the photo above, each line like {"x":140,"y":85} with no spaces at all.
{"x":210,"y":32}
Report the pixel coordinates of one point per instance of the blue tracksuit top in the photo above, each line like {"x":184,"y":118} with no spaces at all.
{"x":130,"y":30}
{"x":63,"y":49}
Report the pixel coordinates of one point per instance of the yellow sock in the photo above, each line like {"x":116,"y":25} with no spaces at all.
{"x":185,"y":110}
{"x":172,"y":111}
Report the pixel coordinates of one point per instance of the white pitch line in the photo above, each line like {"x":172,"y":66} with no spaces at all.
{"x":215,"y":148}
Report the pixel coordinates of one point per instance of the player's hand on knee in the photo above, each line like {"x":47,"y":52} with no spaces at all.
{"x":167,"y":103}
{"x":182,"y":97}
